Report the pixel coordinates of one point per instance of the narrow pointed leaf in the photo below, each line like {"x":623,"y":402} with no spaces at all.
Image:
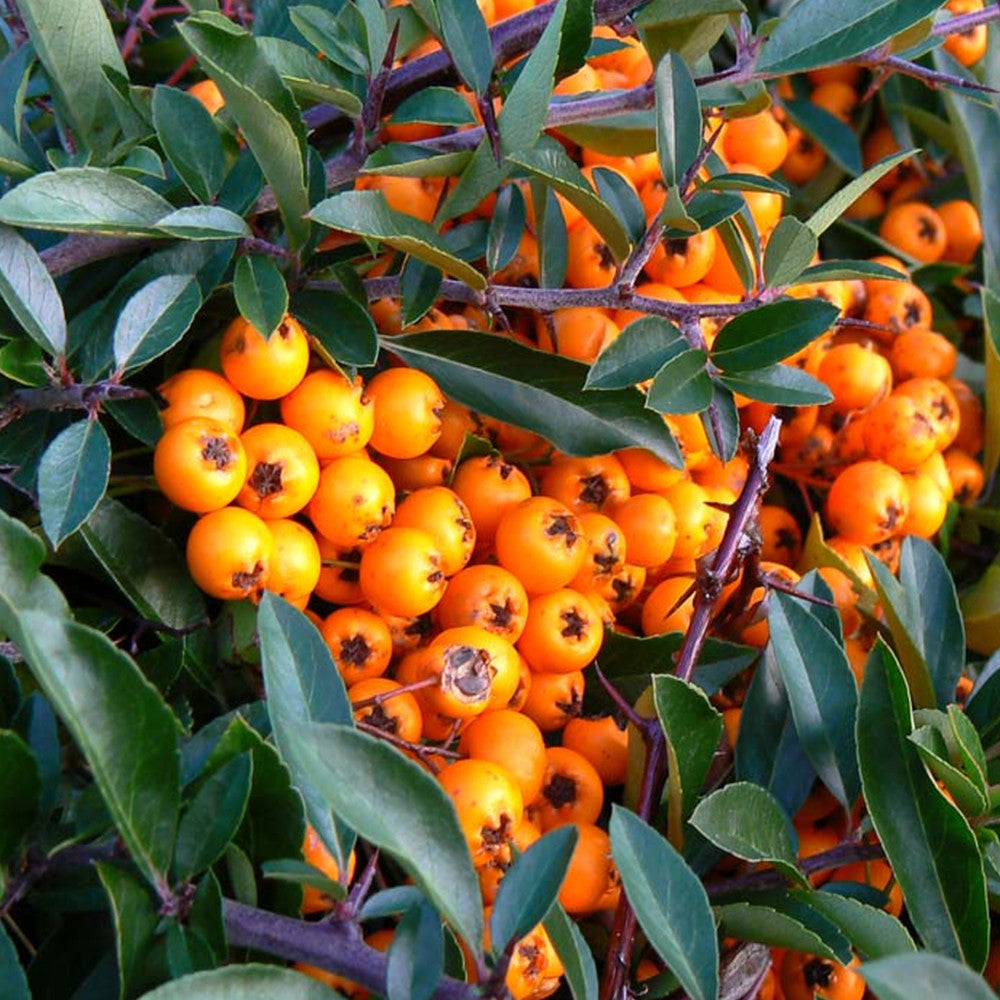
{"x":837,"y":137}
{"x":669,"y":902}
{"x":378,"y":791}
{"x":30,"y":293}
{"x":924,"y":976}
{"x":416,"y":955}
{"x":467,"y":40}
{"x":754,"y":922}
{"x":781,"y":384}
{"x":543,"y":392}
{"x":682,"y":385}
{"x":107,"y":704}
{"x":790,"y":251}
{"x":72,"y":477}
{"x":744,"y":820}
{"x":506,"y":228}
{"x":261,"y":292}
{"x":821,"y":691}
{"x":929,"y":844}
{"x":574,"y":953}
{"x":678,"y":118}
{"x":872,"y":932}
{"x":530,"y":886}
{"x":642,"y":349}
{"x":190,"y":141}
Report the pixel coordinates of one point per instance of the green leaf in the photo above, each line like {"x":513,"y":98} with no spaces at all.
{"x":84,"y":199}
{"x":342,"y":327}
{"x":154,"y":319}
{"x":436,"y":106}
{"x":20,"y":791}
{"x":212,"y":818}
{"x":688,"y":27}
{"x":768,"y":749}
{"x":753,"y":922}
{"x":735,"y":181}
{"x":190,"y":140}
{"x":721,"y":423}
{"x":367,"y":214}
{"x":819,"y":32}
{"x":642,"y":349}
{"x":307,"y":77}
{"x":693,"y":727}
{"x":682,"y":385}
{"x":261,"y":292}
{"x":618,"y":192}
{"x":136,"y":919}
{"x":523,"y":114}
{"x":416,"y":955}
{"x":783,"y":385}
{"x":75,"y":43}
{"x":873,"y":932}
{"x":551,"y":235}
{"x":678,"y":119}
{"x":744,"y":820}
{"x":924,"y":976}
{"x":378,"y":791}
{"x":30,"y":293}
{"x":969,"y":794}
{"x":301,"y":873}
{"x":12,"y":975}
{"x":789,"y":252}
{"x":331,"y":36}
{"x":739,"y":252}
{"x":845,"y":270}
{"x":821,"y":691}
{"x":835,"y":206}
{"x":467,"y":39}
{"x":983,"y":705}
{"x":303,"y":685}
{"x":929,"y":844}
{"x":22,"y":586}
{"x":22,"y":361}
{"x":669,"y":902}
{"x":72,"y":477}
{"x":244,"y":982}
{"x":203,"y":222}
{"x":264,"y":109}
{"x":573,"y":952}
{"x":549,"y":162}
{"x":501,"y":378}
{"x":626,"y":134}
{"x":145,"y":565}
{"x":835,"y":136}
{"x":530,"y":887}
{"x":764,"y":336}
{"x":706,"y":210}
{"x":506,"y":228}
{"x":107,"y":704}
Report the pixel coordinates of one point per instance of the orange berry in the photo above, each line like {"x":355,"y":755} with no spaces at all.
{"x":401,"y":572}
{"x":408,"y":408}
{"x":332,"y":413}
{"x":200,"y":464}
{"x":229,"y":553}
{"x":264,"y":367}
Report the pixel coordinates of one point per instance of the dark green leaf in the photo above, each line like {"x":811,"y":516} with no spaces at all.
{"x":969,"y":795}
{"x":682,"y":385}
{"x":145,"y":565}
{"x":244,"y":982}
{"x":72,"y":477}
{"x":434,"y":105}
{"x":873,"y":932}
{"x":37,"y":725}
{"x":744,"y":820}
{"x":738,"y":252}
{"x":735,"y":181}
{"x":506,"y":228}
{"x":845,"y":270}
{"x":924,"y":976}
{"x":927,"y":841}
{"x":707,"y":209}
{"x":344,"y":329}
{"x":135,"y":915}
{"x":752,"y":922}
{"x":154,"y":319}
{"x":390,"y":902}
{"x":573,"y":952}
{"x":821,"y":692}
{"x":481,"y":175}
{"x":549,"y":162}
{"x":308,"y":78}
{"x":835,"y":206}
{"x":264,"y":109}
{"x":301,"y":873}
{"x":688,"y":27}
{"x":416,"y":955}
{"x":983,"y":705}
{"x":642,"y":349}
{"x":626,"y":134}
{"x":669,"y":902}
{"x":467,"y":40}
{"x":818,"y":32}
{"x":771,"y":333}
{"x":203,"y":222}
{"x":378,"y":791}
{"x":331,"y":36}
{"x":75,"y":43}
{"x":367,"y":214}
{"x":190,"y":140}
{"x":11,"y":973}
{"x":783,"y":385}
{"x":693,"y":728}
{"x":84,"y":199}
{"x":721,"y":422}
{"x":22,"y":586}
{"x":678,"y":118}
{"x":500,"y":378}
{"x":575,"y":42}
{"x":213,"y":817}
{"x":30,"y":293}
{"x":619,"y":193}
{"x":551,"y":236}
{"x":261,"y":292}
{"x":420,"y":286}
{"x":530,"y":887}
{"x":303,"y":685}
{"x":20,"y":791}
{"x":107,"y":704}
{"x":790,"y":251}
{"x":22,"y":361}
{"x":523,"y":114}
{"x":825,"y":128}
